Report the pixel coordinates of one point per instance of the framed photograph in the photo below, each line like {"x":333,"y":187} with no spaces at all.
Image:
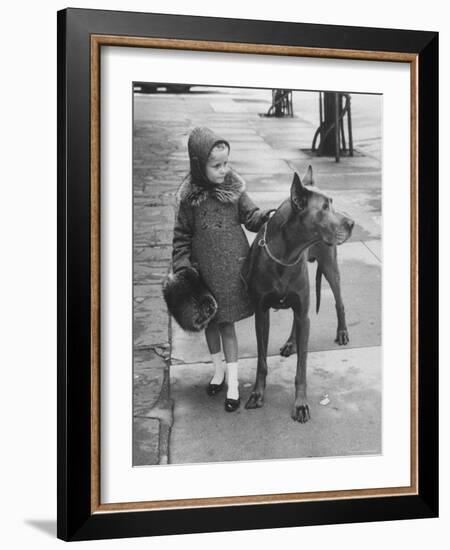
{"x":247,"y":285}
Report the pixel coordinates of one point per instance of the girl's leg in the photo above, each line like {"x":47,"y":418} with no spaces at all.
{"x":230,"y":349}
{"x":229,"y":342}
{"x":213,"y":340}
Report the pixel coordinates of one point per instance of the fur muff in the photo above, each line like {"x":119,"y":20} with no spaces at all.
{"x":188,"y":300}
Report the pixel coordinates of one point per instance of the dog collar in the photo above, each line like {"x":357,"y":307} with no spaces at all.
{"x":264,"y":244}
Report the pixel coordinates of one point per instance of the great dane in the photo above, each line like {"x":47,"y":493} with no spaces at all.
{"x":277,"y":276}
{"x":327,"y":266}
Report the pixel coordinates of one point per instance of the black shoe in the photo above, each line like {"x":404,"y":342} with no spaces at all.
{"x":232,"y":404}
{"x":214,"y":389}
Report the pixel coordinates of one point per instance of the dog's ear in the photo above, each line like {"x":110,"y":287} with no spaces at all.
{"x":308,"y":178}
{"x":299,"y":194}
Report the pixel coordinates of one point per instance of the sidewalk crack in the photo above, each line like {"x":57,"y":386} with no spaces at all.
{"x":371,"y":251}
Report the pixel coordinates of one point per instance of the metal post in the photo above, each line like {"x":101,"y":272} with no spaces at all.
{"x":337,"y":145}
{"x":331,"y":130}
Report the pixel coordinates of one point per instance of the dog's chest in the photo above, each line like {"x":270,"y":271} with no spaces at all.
{"x":287,"y":290}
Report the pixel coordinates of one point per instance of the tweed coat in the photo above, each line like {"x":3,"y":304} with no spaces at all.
{"x":208,"y":233}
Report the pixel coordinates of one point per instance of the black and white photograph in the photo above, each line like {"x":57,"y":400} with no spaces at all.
{"x":257,"y":273}
{"x":225,"y":283}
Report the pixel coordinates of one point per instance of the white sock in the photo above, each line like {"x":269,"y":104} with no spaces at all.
{"x":219,"y":368}
{"x":232,"y":381}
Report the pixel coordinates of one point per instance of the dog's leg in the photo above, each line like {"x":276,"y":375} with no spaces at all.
{"x":290,"y":346}
{"x":332,"y":275}
{"x":300,"y":412}
{"x":262,"y":325}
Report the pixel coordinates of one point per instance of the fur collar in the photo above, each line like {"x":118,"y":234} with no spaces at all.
{"x":227,"y":192}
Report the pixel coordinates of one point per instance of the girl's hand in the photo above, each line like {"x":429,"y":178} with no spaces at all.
{"x":268,"y":214}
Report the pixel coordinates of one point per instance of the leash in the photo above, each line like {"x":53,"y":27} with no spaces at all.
{"x":264,"y":244}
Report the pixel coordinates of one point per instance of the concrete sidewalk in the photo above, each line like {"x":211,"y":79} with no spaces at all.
{"x":265,"y":151}
{"x":350,"y":424}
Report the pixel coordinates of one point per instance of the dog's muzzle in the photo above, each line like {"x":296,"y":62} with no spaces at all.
{"x":345,"y":230}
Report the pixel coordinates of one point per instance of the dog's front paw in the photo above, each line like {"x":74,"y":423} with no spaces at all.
{"x":255,"y":401}
{"x":342,"y":337}
{"x":288,"y":349}
{"x":300,"y":413}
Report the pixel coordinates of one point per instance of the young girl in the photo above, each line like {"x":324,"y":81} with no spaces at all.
{"x":208,"y":235}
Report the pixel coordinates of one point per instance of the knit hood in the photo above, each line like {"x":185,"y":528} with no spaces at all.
{"x":201,"y":142}
{"x":196,"y":187}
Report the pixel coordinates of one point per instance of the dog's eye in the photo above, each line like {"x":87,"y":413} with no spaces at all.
{"x":325,"y":206}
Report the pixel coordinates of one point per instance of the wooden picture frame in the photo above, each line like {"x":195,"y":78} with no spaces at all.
{"x":81,"y":35}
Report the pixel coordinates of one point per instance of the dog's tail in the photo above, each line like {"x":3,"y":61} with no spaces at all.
{"x":318,"y":287}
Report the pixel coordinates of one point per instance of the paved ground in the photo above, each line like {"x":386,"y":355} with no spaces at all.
{"x":349,"y":424}
{"x":265,"y":151}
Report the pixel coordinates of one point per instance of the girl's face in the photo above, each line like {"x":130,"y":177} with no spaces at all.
{"x":217,"y":165}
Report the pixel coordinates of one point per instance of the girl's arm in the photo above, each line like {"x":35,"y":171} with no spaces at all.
{"x":182,"y":238}
{"x":250,"y":215}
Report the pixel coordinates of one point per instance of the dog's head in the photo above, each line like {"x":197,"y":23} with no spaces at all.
{"x":316,"y":211}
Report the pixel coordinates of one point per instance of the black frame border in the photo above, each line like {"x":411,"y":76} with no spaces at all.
{"x":75,"y":520}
